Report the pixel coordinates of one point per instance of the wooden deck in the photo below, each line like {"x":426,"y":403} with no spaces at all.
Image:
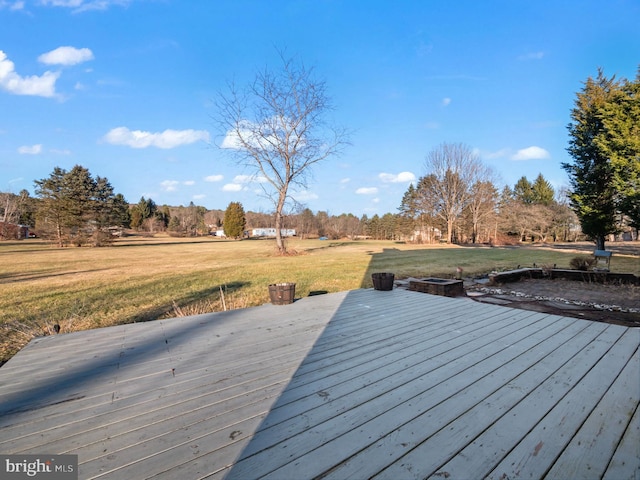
{"x":356,"y":384}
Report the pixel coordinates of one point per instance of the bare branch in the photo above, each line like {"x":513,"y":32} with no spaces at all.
{"x":277,"y":127}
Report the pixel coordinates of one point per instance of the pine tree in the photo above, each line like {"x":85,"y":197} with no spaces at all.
{"x":234,"y":220}
{"x":620,"y":141}
{"x":74,"y":205}
{"x":523,"y":191}
{"x":542,"y":191}
{"x":592,"y":175}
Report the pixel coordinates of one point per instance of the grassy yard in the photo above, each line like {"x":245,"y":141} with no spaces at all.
{"x":140,"y":279}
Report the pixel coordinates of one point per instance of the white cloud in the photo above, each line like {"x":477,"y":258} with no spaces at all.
{"x":189,"y":182}
{"x":239,"y":182}
{"x":166,"y":139}
{"x":247,"y":131}
{"x":199,"y":196}
{"x":532,"y":56}
{"x":243,"y":179}
{"x":169,"y":185}
{"x":231,"y":141}
{"x":57,"y":151}
{"x":503,"y":152}
{"x":232,"y":187}
{"x":214,"y":178}
{"x":446,"y":101}
{"x":13,"y":6}
{"x":66,"y":56}
{"x":367,"y":191}
{"x":531,"y":153}
{"x":30,"y":149}
{"x":345,"y":180}
{"x":305,"y":196}
{"x":41,"y":86}
{"x":402,"y":177}
{"x":78,"y":6}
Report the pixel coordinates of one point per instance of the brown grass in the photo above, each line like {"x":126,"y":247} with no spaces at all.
{"x":141,"y":279}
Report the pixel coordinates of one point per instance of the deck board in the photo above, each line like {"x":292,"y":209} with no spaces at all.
{"x":350,"y":385}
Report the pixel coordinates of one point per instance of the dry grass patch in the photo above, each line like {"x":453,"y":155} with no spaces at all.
{"x":140,"y":279}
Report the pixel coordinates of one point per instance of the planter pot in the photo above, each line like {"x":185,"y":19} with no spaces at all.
{"x":282,"y":293}
{"x":383,"y":281}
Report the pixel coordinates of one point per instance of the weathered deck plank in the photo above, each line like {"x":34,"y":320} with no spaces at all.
{"x":357,"y":384}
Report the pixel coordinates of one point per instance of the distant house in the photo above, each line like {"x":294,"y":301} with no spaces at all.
{"x":13,"y":231}
{"x":271,"y":232}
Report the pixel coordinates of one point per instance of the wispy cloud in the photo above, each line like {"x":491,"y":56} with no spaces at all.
{"x":232,"y":187}
{"x":304,"y":196}
{"x":243,"y":179}
{"x":172,"y":185}
{"x":531,"y":153}
{"x":446,"y":101}
{"x":531,"y":56}
{"x":367,"y":191}
{"x":58,"y":151}
{"x":30,"y":149}
{"x":402,"y":177}
{"x":242,"y":182}
{"x":78,"y":6}
{"x":40,"y":86}
{"x":165,"y":140}
{"x":503,"y":152}
{"x":213,"y":178}
{"x":13,"y":6}
{"x":66,"y":56}
{"x":169,"y":185}
{"x":454,"y":77}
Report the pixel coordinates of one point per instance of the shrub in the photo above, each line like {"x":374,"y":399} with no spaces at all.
{"x":582,"y":263}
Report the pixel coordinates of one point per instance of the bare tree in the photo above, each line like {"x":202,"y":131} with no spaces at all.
{"x":482,"y":205}
{"x":277,"y":127}
{"x":453,"y":170}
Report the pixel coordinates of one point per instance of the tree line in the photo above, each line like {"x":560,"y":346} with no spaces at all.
{"x":73,"y":208}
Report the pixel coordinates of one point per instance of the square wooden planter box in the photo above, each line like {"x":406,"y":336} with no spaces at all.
{"x":438,"y":286}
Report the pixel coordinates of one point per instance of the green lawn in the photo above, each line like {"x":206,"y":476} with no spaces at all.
{"x":140,"y":279}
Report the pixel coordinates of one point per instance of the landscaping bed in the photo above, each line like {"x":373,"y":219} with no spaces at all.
{"x":613,"y":302}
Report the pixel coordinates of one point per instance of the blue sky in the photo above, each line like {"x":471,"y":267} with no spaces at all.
{"x":126,"y":88}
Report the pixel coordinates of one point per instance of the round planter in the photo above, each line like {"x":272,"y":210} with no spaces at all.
{"x":282,"y":293}
{"x":383,"y":281}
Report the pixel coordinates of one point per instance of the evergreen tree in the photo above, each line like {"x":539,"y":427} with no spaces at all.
{"x":234,"y":220}
{"x":523,"y":191}
{"x":542,"y":192}
{"x":620,"y":141}
{"x":164,"y":215}
{"x":592,"y":174}
{"x":74,"y":205}
{"x":120,"y":215}
{"x":142,"y":211}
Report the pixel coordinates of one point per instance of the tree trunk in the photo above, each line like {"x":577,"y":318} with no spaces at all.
{"x":449,"y":230}
{"x":600,"y":242}
{"x":59,"y":234}
{"x":282,"y":249}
